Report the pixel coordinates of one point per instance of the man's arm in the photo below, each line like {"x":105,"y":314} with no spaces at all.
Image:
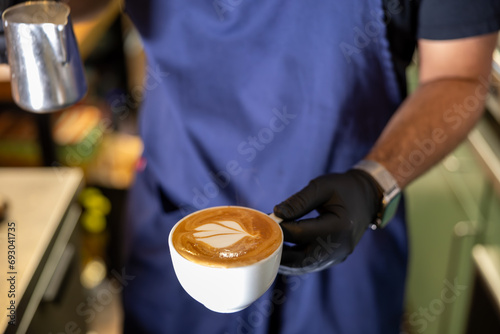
{"x":432,"y":121}
{"x":428,"y":125}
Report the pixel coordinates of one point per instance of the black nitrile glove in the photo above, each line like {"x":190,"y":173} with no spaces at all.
{"x":347,"y":204}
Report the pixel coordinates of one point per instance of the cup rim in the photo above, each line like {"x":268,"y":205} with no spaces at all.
{"x":172,"y":247}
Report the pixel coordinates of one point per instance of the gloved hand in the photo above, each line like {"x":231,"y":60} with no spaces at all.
{"x":347,"y":204}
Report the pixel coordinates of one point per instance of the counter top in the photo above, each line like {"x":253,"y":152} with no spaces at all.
{"x":38,"y":200}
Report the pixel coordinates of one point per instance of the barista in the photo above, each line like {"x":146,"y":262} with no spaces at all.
{"x":334,"y":73}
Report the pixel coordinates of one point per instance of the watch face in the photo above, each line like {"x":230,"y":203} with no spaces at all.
{"x":389,"y":209}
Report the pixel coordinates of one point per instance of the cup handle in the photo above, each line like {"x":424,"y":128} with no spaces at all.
{"x":276,"y":219}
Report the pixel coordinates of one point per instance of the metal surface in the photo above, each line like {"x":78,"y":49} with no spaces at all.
{"x":463,"y":239}
{"x":486,"y":147}
{"x":487,"y":259}
{"x":493,"y":99}
{"x":46,"y":69}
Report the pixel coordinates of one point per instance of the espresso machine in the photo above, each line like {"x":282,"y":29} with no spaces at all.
{"x":38,"y":43}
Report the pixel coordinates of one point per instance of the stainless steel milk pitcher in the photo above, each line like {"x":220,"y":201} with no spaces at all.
{"x":46,"y":69}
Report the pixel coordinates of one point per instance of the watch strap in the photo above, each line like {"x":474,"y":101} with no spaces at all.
{"x":388,"y":185}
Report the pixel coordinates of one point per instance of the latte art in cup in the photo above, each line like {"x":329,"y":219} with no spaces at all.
{"x":226,"y":257}
{"x":227,"y":237}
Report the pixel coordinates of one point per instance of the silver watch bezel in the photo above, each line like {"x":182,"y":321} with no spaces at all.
{"x":389,"y":187}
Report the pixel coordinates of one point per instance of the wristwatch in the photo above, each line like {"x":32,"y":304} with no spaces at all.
{"x":387,"y":184}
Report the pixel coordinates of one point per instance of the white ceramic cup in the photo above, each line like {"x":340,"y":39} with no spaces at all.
{"x":226,"y":290}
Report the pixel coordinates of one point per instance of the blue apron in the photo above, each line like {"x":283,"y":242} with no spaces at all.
{"x":245,"y":102}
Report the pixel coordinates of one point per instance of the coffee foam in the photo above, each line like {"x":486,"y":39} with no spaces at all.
{"x":226,"y":237}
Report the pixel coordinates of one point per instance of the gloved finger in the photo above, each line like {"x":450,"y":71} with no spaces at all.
{"x":290,"y":271}
{"x":297,"y":260}
{"x":304,"y":201}
{"x":293,"y":256}
{"x":309,"y":230}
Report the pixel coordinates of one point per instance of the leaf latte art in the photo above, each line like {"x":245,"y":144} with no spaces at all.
{"x":226,"y":237}
{"x":221,"y":234}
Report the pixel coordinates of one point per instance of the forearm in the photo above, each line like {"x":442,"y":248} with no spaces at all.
{"x":429,"y":125}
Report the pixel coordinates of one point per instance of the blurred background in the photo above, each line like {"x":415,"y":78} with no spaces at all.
{"x":453,"y":211}
{"x":98,"y":136}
